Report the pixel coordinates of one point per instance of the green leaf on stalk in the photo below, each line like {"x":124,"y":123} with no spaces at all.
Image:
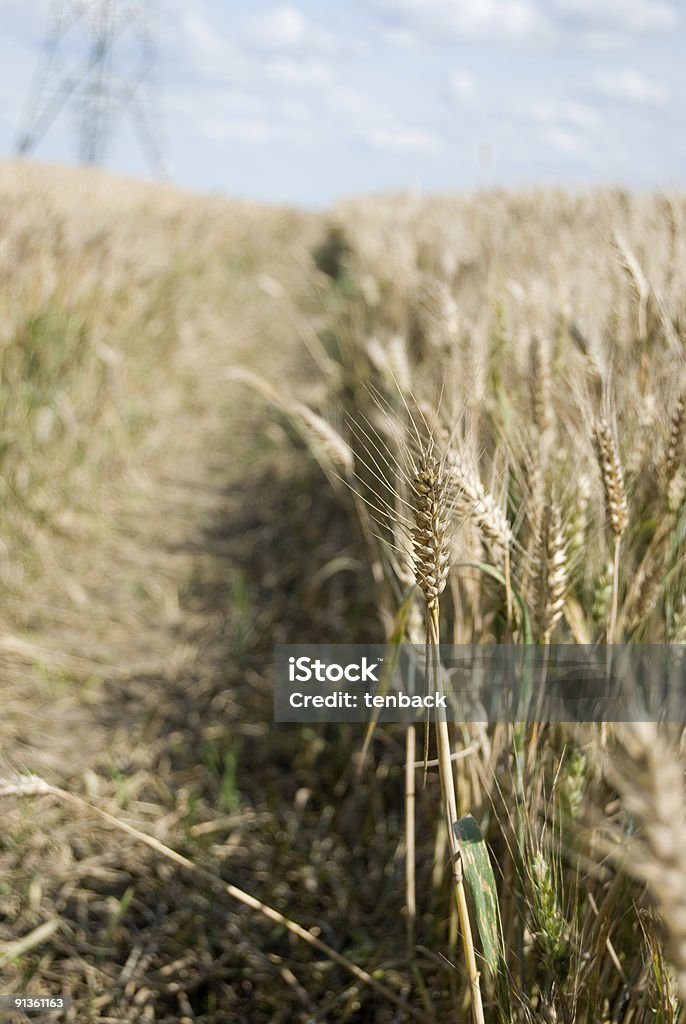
{"x":480,"y":882}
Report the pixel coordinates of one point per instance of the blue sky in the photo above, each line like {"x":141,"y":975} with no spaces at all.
{"x":307,"y":101}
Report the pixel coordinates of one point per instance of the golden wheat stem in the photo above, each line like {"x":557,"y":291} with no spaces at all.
{"x":508,"y":590}
{"x":448,"y":791}
{"x":410,"y":885}
{"x":612,"y":628}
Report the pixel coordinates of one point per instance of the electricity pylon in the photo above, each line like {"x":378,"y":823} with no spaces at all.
{"x":99,"y":57}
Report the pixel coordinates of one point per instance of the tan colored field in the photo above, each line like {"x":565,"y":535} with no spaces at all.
{"x":188,"y":385}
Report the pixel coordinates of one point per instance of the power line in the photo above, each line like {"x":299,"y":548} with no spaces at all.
{"x":98,"y":58}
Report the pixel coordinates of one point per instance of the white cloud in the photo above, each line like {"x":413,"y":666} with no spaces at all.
{"x":568,"y":143}
{"x":397,"y":35}
{"x":254,"y":131}
{"x":228,"y":103}
{"x":350,"y":103}
{"x":463,"y":86}
{"x":567,"y":127}
{"x":34,"y":9}
{"x":559,"y":113}
{"x":604,"y":40}
{"x":629,"y":85}
{"x":620,"y":16}
{"x":286,"y":28}
{"x":254,"y":81}
{"x":221,"y":114}
{"x":457,"y":19}
{"x":220,"y":129}
{"x":403,"y":140}
{"x":198,"y":39}
{"x":593,"y":24}
{"x":298,"y":73}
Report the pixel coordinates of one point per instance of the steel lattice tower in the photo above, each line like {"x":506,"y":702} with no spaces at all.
{"x":99,"y":57}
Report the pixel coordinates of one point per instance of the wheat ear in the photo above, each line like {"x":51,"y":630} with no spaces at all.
{"x":616,"y":507}
{"x":430,"y":533}
{"x":471,"y":500}
{"x":634,"y":272}
{"x":551,"y":572}
{"x":540,"y":386}
{"x":676,"y":437}
{"x":325,"y":443}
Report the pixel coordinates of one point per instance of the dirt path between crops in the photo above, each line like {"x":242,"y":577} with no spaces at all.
{"x":129,"y":614}
{"x":122,"y":693}
{"x":140,"y":680}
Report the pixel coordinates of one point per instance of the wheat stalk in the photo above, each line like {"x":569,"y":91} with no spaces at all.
{"x":551,"y":572}
{"x":325,"y":442}
{"x":650,"y":780}
{"x":437,"y":314}
{"x":592,"y":360}
{"x":612,"y":477}
{"x":471,"y":500}
{"x":676,"y":437}
{"x":431,"y":550}
{"x":616,"y":506}
{"x":633,"y":269}
{"x":539,"y":381}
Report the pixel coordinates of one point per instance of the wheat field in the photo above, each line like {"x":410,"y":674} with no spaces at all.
{"x":226,"y":426}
